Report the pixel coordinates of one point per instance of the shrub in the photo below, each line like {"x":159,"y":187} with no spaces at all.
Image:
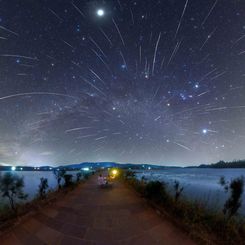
{"x":224,"y":183}
{"x":129,"y":174}
{"x":138,"y":185}
{"x":42,"y":188}
{"x":68,"y":180}
{"x":11,"y":186}
{"x":79,"y":176}
{"x":234,"y":202}
{"x":155,"y":190}
{"x":178,"y":190}
{"x":59,"y":174}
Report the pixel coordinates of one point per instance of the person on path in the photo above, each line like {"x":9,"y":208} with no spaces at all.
{"x":101,"y":180}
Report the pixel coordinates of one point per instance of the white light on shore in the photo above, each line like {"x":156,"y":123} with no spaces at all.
{"x":13,"y":168}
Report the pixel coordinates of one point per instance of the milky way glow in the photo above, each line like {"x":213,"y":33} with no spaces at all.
{"x":127,"y":81}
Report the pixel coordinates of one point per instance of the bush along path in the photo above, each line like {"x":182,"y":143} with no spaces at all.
{"x":203,"y":225}
{"x":13,"y":210}
{"x":91,"y":215}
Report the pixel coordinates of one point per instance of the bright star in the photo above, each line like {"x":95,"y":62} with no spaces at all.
{"x":204,"y":131}
{"x":100,"y":12}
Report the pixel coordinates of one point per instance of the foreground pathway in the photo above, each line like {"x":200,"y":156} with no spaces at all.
{"x":90,"y":215}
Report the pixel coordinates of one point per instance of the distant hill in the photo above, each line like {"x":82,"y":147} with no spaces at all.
{"x":111,"y":165}
{"x":89,"y":165}
{"x":94,"y":165}
{"x":223,"y":164}
{"x":78,"y":166}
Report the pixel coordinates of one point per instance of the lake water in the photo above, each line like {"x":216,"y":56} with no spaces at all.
{"x":32,"y":181}
{"x":199,"y":184}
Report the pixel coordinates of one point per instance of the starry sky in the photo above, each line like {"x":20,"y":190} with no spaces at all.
{"x":139,"y":81}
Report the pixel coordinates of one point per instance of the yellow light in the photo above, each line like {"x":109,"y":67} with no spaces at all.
{"x":114,"y":172}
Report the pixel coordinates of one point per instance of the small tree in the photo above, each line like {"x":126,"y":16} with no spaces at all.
{"x":129,"y":174}
{"x":178,"y":190}
{"x":143,"y":179}
{"x":224,"y":183}
{"x":11,"y":186}
{"x":79,"y":176}
{"x":68,"y":180}
{"x":42,"y":188}
{"x":234,"y":202}
{"x":59,"y":174}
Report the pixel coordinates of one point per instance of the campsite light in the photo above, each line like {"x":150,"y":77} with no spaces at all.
{"x":85,"y":169}
{"x":114,"y":172}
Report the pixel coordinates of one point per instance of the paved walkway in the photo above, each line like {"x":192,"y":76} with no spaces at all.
{"x":90,"y":215}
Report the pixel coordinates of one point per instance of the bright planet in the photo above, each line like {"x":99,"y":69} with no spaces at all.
{"x":100,"y":12}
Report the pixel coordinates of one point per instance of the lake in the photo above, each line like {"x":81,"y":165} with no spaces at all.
{"x":32,"y":181}
{"x":200,"y":184}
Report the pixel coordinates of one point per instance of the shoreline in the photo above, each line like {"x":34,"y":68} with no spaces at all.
{"x":203,"y":225}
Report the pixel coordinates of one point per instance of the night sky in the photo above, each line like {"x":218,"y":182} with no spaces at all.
{"x":145,"y":81}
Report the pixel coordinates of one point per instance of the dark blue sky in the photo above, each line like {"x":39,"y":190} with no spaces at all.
{"x":144,"y":82}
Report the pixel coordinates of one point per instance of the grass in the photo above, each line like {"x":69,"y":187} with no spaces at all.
{"x":203,"y":225}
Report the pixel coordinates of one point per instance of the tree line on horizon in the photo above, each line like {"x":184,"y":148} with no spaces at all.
{"x":223,"y":164}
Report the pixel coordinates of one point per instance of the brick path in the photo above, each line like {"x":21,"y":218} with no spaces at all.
{"x":90,"y":215}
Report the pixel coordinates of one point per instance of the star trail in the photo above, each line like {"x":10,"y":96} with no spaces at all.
{"x":126,"y":81}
